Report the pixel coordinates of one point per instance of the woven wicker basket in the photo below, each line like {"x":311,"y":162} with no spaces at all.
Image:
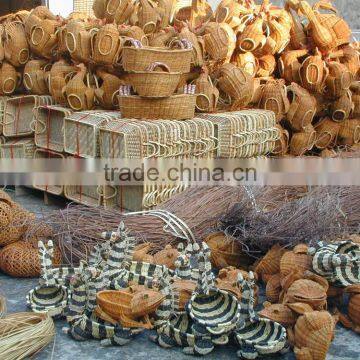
{"x":19,"y":114}
{"x":3,"y":100}
{"x":22,"y":148}
{"x":243,"y":134}
{"x":48,"y":154}
{"x":86,"y":195}
{"x":81,"y":130}
{"x":49,"y":127}
{"x":176,"y":107}
{"x":139,"y":59}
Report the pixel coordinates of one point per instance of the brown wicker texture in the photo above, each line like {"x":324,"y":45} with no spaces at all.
{"x":341,"y":108}
{"x":338,"y":81}
{"x":3,"y":100}
{"x":48,"y":154}
{"x":246,"y":61}
{"x":176,"y":107}
{"x":21,"y":259}
{"x":35,"y":77}
{"x":22,"y":148}
{"x":156,"y":81}
{"x":86,"y":195}
{"x":49,"y":127}
{"x":327,"y":132}
{"x":107,"y":93}
{"x":253,"y":36}
{"x":146,"y":302}
{"x":207,"y":94}
{"x":19,"y":114}
{"x":9,"y":79}
{"x":124,"y":11}
{"x":139,"y":59}
{"x":289,"y":65}
{"x":134,"y":32}
{"x":302,"y":142}
{"x":349,"y":132}
{"x":148,"y":16}
{"x":6,"y":214}
{"x":81,"y":131}
{"x":197,"y":43}
{"x":167,"y":257}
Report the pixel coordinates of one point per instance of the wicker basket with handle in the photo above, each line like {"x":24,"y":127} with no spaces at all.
{"x":81,"y":131}
{"x":49,"y":127}
{"x":19,"y":114}
{"x":48,"y":154}
{"x":22,"y":148}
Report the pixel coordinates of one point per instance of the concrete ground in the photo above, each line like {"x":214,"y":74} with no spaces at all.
{"x":346,"y":345}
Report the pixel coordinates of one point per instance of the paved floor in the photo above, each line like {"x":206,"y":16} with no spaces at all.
{"x":346,"y":345}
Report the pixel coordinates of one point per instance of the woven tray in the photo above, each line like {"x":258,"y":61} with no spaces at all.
{"x":48,"y":154}
{"x":86,"y":195}
{"x":244,"y":134}
{"x":81,"y":131}
{"x":49,"y":127}
{"x":19,"y":114}
{"x":176,"y":107}
{"x":22,"y":148}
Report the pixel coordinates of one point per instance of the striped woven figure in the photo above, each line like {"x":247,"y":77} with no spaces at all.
{"x":257,"y":336}
{"x":45,"y":256}
{"x":184,"y":269}
{"x":338,"y":262}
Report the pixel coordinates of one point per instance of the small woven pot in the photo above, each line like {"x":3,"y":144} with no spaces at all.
{"x":155,"y":83}
{"x":349,"y":132}
{"x":338,"y":81}
{"x":99,"y":8}
{"x":289,"y":65}
{"x":9,"y":79}
{"x":148,"y":16}
{"x":252,"y":37}
{"x":246,"y":61}
{"x":266,"y":65}
{"x":354,"y":305}
{"x":302,"y":142}
{"x":327,"y":131}
{"x":207,"y":93}
{"x":134,"y":32}
{"x":35,"y":77}
{"x":341,"y":108}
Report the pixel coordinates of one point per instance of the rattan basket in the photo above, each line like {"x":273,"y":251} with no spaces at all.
{"x":86,"y":195}
{"x":19,"y":114}
{"x":176,"y":107}
{"x":139,"y":59}
{"x":244,"y":134}
{"x":48,"y":154}
{"x":81,"y":131}
{"x":22,"y":148}
{"x":2,"y":108}
{"x":49,"y":127}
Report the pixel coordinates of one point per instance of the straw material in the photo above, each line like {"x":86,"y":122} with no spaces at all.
{"x":2,"y":306}
{"x":9,"y":79}
{"x":253,"y":36}
{"x":25,"y":334}
{"x":19,"y":114}
{"x":139,"y":59}
{"x":349,"y":132}
{"x":47,"y":154}
{"x":18,"y":149}
{"x":244,"y":133}
{"x":157,"y":81}
{"x":107,"y":93}
{"x":35,"y":77}
{"x":176,"y":107}
{"x":289,"y":65}
{"x":341,"y":108}
{"x":327,"y":132}
{"x":3,"y":100}
{"x":86,"y":195}
{"x":302,"y":142}
{"x":246,"y":61}
{"x":207,"y":93}
{"x":81,"y":131}
{"x":338,"y":81}
{"x":148,"y":16}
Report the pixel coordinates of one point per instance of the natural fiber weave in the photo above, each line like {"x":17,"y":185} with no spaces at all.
{"x":2,"y":108}
{"x":24,"y":334}
{"x":81,"y":131}
{"x":176,"y":107}
{"x":86,"y":195}
{"x":19,"y":114}
{"x":2,"y":306}
{"x":23,"y":148}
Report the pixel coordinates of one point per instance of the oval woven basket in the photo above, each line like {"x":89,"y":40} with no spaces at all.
{"x":154,"y":83}
{"x":139,"y":59}
{"x":176,"y":107}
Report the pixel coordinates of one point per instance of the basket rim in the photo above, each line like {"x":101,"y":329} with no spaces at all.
{"x":157,"y":49}
{"x":144,"y":72}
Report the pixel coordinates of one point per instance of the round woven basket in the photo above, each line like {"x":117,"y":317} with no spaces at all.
{"x":21,"y":259}
{"x":155,"y":83}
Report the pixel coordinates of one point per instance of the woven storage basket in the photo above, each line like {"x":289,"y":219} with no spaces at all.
{"x":48,"y":154}
{"x":244,"y":134}
{"x":81,"y":131}
{"x":154,"y":83}
{"x":49,"y":127}
{"x":176,"y":107}
{"x":22,"y":148}
{"x":3,"y":100}
{"x":19,"y":114}
{"x":86,"y":195}
{"x":139,"y":59}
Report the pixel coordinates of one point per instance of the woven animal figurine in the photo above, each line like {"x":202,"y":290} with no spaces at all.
{"x":327,"y":131}
{"x":9,"y":79}
{"x":298,"y":37}
{"x":289,"y":65}
{"x":274,"y":98}
{"x":258,"y":336}
{"x":124,"y":11}
{"x":148,"y":16}
{"x":313,"y":72}
{"x":342,"y":108}
{"x":219,"y":40}
{"x":78,"y":41}
{"x":355,"y":89}
{"x":237,"y":84}
{"x":106,"y":45}
{"x":338,"y":81}
{"x":230,"y":12}
{"x":133,"y":32}
{"x":348,"y":56}
{"x":35,"y":17}
{"x":161,"y":38}
{"x":207,"y":93}
{"x":107,"y":93}
{"x":304,"y":141}
{"x":266,"y":65}
{"x":16,"y":48}
{"x":35,"y":77}
{"x":246,"y":61}
{"x":79,"y":96}
{"x":165,"y":8}
{"x":279,"y":33}
{"x":302,"y":107}
{"x":59,"y":75}
{"x":197,"y":45}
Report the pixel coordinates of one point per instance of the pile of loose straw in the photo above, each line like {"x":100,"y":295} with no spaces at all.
{"x":24,"y":334}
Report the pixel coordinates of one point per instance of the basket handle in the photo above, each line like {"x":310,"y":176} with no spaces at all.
{"x":181,"y":43}
{"x":112,"y":196}
{"x":158,"y":64}
{"x":322,"y":5}
{"x":208,"y":101}
{"x":13,"y":88}
{"x":32,"y":35}
{"x":66,"y":42}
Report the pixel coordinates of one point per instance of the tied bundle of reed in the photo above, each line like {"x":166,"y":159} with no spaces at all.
{"x":24,"y":334}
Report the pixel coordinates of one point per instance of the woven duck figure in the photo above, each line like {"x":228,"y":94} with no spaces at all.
{"x":338,"y":262}
{"x":259,"y":336}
